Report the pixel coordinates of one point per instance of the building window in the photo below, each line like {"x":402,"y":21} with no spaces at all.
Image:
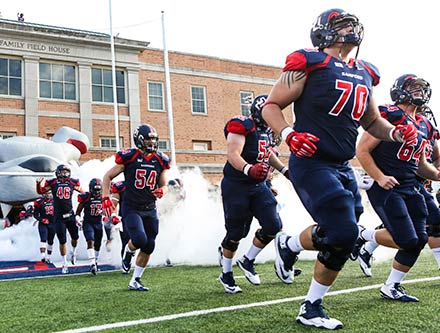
{"x":5,"y":135}
{"x":10,"y":77}
{"x":246,"y":98}
{"x":102,"y":87}
{"x":201,"y":145}
{"x":109,"y":142}
{"x":163,"y":145}
{"x":155,"y":96}
{"x":198,"y":99}
{"x":57,"y":81}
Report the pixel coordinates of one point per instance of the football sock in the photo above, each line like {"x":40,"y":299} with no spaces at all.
{"x":395,"y":276}
{"x":316,"y":291}
{"x":137,"y":272}
{"x":91,"y":256}
{"x":253,"y":252}
{"x":370,"y":247}
{"x":294,"y":244}
{"x":226,"y":265}
{"x":436,"y":253}
{"x":369,"y":235}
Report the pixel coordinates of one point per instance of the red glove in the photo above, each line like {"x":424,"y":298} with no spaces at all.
{"x":45,"y":221}
{"x":257,"y":171}
{"x":115,"y":219}
{"x":107,"y":207}
{"x":158,"y":193}
{"x":301,"y":144}
{"x":405,"y":133}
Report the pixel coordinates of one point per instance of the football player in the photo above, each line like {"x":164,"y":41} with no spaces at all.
{"x":91,"y":203}
{"x":424,"y":116}
{"x":117,"y":196}
{"x":332,"y":94}
{"x":396,"y":193}
{"x":144,"y":170}
{"x":43,"y":213}
{"x":62,"y":187}
{"x":245,"y":194}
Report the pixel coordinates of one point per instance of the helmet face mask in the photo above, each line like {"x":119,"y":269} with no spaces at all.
{"x":63,"y":172}
{"x":256,"y":109}
{"x":47,"y":195}
{"x":145,"y":138}
{"x":327,"y":26}
{"x":410,"y":89}
{"x":95,"y":187}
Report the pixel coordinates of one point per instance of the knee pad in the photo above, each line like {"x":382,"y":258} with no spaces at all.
{"x":149,"y":247}
{"x":330,"y":256}
{"x":433,"y":230}
{"x":139,"y":241}
{"x":407,"y":258}
{"x":265,"y":239}
{"x":230,"y":245}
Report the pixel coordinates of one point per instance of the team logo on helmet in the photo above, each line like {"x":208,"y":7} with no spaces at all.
{"x":325,"y":29}
{"x":257,"y":108}
{"x":63,"y":172}
{"x":409,"y":88}
{"x":142,"y":138}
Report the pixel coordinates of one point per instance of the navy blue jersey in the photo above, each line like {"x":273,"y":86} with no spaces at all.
{"x":400,"y":160}
{"x":43,"y":209}
{"x":336,"y":95}
{"x":141,"y":174}
{"x":62,"y":194}
{"x":256,"y":148}
{"x":92,"y":207}
{"x":430,"y":134}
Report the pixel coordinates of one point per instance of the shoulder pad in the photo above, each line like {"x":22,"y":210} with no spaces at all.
{"x":126,"y":155}
{"x":164,"y":158}
{"x":373,"y":70}
{"x":83,"y":197}
{"x":118,"y":187}
{"x":51,"y":181}
{"x":305,"y":59}
{"x":392,"y":113}
{"x":240,"y":125}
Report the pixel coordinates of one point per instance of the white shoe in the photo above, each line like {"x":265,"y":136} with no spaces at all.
{"x":364,"y":259}
{"x":247,"y":266}
{"x":73,"y":259}
{"x":228,"y":282}
{"x":284,"y":259}
{"x":395,"y":291}
{"x":136,"y":284}
{"x":312,"y":314}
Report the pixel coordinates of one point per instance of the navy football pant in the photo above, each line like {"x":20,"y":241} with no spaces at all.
{"x":403,"y":212}
{"x":243,"y":202}
{"x":330,"y":194}
{"x":142,"y":227}
{"x":93,"y":232}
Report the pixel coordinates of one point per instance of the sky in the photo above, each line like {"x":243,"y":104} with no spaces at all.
{"x":398,"y":33}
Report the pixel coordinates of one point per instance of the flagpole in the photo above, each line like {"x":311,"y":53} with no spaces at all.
{"x":168,"y":94}
{"x":115,"y":95}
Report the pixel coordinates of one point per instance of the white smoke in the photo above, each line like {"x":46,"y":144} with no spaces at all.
{"x":190,"y":230}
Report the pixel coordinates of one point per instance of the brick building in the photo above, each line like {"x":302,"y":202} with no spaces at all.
{"x":52,"y":77}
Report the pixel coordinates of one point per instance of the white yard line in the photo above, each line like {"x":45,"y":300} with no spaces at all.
{"x":226,"y":308}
